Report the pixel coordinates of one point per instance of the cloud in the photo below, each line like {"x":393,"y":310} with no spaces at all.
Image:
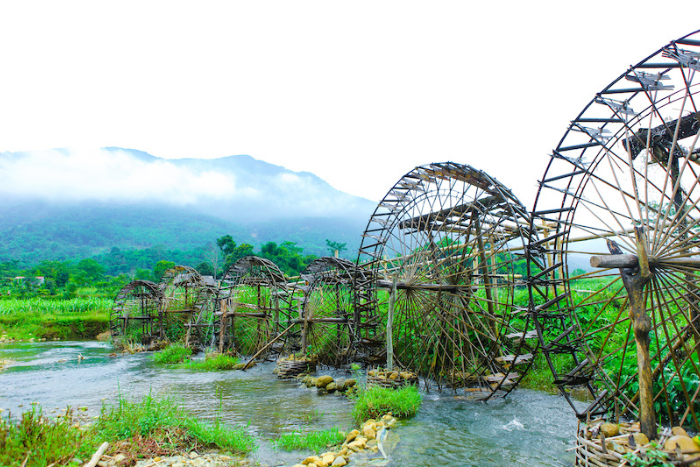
{"x":84,"y":174}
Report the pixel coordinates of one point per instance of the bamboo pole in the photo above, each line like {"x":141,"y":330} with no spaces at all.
{"x":266,"y":346}
{"x":389,"y":327}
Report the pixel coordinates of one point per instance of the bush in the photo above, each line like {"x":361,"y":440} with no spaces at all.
{"x":375,"y":402}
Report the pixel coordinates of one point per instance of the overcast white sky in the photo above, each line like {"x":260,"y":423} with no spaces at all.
{"x":356,"y":92}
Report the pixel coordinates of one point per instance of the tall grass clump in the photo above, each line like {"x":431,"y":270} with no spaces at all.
{"x":34,"y":440}
{"x":315,"y":441}
{"x":377,"y":401}
{"x":174,"y":353}
{"x":212,"y":362}
{"x":167,"y":425}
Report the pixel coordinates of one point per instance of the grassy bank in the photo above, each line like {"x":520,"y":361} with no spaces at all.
{"x":74,"y":319}
{"x":134,"y":429}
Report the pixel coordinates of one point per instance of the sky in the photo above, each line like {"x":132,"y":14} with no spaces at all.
{"x":358,"y":93}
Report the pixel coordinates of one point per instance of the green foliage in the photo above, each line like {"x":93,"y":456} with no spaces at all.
{"x":174,"y":353}
{"x":653,"y":457}
{"x":335,"y":246}
{"x":212,"y":362}
{"x":36,"y":441}
{"x":376,"y":401}
{"x":158,"y":417}
{"x":160,"y":268}
{"x":315,"y":441}
{"x":47,"y":306}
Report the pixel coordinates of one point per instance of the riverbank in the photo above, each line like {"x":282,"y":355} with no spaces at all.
{"x":25,"y":326}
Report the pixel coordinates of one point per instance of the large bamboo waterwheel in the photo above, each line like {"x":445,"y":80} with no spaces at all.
{"x":442,"y":250}
{"x":252,"y":293}
{"x":134,"y":316}
{"x":327,"y":321}
{"x":615,"y":283}
{"x":182,"y":288}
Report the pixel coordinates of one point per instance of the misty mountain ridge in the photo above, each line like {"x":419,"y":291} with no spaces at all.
{"x":63,"y":204}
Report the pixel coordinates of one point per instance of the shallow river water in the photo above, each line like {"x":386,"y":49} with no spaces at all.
{"x":528,"y":428}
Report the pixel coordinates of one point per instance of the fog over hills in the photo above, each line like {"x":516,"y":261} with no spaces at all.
{"x":63,"y":202}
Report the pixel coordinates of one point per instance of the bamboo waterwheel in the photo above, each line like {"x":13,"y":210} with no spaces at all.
{"x":134,"y":315}
{"x":182,"y":288}
{"x":441,"y":249}
{"x":327,"y":321}
{"x":253,"y":291}
{"x":615,"y":283}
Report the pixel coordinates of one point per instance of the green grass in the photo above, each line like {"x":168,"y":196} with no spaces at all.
{"x":163,"y":420}
{"x":174,"y":353}
{"x":212,"y":362}
{"x":38,"y":440}
{"x":315,"y":441}
{"x":375,"y":402}
{"x":78,"y":318}
{"x":134,"y":427}
{"x":9,"y":306}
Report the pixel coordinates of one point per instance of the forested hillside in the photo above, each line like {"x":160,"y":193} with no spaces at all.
{"x":254,"y":202}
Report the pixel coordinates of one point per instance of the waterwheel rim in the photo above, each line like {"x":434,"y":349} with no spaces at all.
{"x":445,"y":233}
{"x":627,"y":161}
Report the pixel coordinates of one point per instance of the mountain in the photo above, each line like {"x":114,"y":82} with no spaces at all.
{"x":65,"y":204}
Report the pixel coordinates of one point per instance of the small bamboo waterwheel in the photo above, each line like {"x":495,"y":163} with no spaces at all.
{"x":615,"y":285}
{"x":203,"y":325}
{"x":134,"y":315}
{"x":182,"y":288}
{"x":327,"y":320}
{"x":252,"y":293}
{"x":441,"y":249}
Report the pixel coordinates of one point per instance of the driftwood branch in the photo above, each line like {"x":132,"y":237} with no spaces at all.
{"x":98,"y":455}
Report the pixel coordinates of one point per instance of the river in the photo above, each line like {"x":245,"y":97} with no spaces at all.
{"x":528,"y":429}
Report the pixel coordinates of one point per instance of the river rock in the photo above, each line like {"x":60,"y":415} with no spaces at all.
{"x":238,"y":366}
{"x":369,"y":432}
{"x":352,"y":435}
{"x":311,"y":460}
{"x":339,"y":462}
{"x":328,"y":459}
{"x":686,"y":444}
{"x":610,"y":429}
{"x":349,"y":383}
{"x":331,"y":387}
{"x":677,"y":430}
{"x":340,"y":384}
{"x":310,"y":382}
{"x":323,"y":381}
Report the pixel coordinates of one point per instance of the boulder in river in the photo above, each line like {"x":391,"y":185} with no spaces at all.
{"x":323,"y":381}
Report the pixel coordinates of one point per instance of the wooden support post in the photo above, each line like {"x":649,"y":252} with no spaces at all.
{"x":634,"y":280}
{"x":389,"y":326}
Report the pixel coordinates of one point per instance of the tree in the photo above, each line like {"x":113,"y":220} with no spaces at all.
{"x":335,"y":246}
{"x":205,"y":269}
{"x":160,"y":268}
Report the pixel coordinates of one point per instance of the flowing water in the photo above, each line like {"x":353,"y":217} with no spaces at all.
{"x":528,"y":428}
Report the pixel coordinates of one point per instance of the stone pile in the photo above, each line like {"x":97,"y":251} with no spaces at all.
{"x":326,"y":384}
{"x":601,"y":443}
{"x":368,"y":439}
{"x":390,"y":379}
